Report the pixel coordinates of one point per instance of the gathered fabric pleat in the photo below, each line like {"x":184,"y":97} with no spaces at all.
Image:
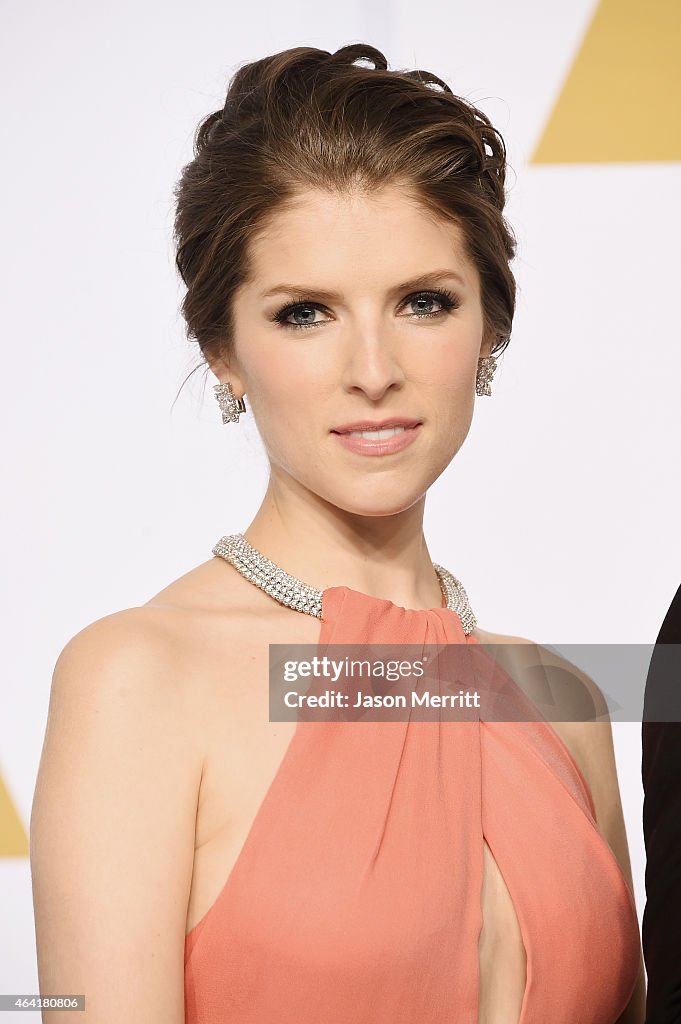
{"x":357,"y":894}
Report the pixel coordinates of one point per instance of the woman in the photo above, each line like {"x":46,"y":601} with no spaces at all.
{"x":341,"y":235}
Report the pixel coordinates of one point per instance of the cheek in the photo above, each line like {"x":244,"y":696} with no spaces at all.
{"x":288,"y":372}
{"x":272,"y":390}
{"x":289,"y":388}
{"x":447,"y":378}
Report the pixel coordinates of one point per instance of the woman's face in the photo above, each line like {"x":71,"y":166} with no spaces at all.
{"x":345,"y":319}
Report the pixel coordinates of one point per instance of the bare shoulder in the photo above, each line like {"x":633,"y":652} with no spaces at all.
{"x":133,"y":635}
{"x":167,"y":631}
{"x":214,"y":603}
{"x":193,"y":647}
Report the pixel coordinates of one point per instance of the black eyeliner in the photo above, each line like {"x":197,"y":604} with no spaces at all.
{"x":447,"y":300}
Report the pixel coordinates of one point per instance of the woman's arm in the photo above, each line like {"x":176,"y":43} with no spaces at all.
{"x":113,"y":823}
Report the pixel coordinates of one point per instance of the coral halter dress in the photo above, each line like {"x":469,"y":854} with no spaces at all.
{"x":356,"y":898}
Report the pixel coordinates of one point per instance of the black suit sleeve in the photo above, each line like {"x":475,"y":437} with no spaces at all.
{"x":661,"y":773}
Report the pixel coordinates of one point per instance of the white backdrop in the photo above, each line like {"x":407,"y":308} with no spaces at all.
{"x":560,"y":514}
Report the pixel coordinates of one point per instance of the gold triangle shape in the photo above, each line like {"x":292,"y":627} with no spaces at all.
{"x":13,"y":838}
{"x":621,"y":100}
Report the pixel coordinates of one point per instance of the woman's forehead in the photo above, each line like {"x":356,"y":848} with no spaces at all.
{"x":326,"y":235}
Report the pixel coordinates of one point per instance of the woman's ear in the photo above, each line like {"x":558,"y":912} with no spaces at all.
{"x":487,"y":344}
{"x":225,"y":372}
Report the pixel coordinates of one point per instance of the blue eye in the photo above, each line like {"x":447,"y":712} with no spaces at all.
{"x":307,"y":308}
{"x":445,"y":299}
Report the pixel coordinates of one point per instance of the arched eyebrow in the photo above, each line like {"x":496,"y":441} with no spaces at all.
{"x":422,"y":281}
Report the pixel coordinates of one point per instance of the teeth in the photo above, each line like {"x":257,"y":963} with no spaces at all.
{"x":379,"y":435}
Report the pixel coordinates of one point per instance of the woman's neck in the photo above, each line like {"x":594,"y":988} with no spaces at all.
{"x":382,"y":556}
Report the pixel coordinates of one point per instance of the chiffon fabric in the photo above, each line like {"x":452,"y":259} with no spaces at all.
{"x":356,"y":896}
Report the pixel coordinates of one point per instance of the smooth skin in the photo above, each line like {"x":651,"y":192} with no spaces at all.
{"x":158,"y":751}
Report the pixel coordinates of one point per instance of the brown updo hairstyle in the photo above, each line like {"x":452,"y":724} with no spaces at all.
{"x":310,"y":119}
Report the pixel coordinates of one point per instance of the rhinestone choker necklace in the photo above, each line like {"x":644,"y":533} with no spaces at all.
{"x":296,"y":594}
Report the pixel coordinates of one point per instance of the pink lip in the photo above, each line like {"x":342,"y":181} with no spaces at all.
{"x":394,"y":421}
{"x":376,"y":446}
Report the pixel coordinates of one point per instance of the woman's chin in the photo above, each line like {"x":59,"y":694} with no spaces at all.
{"x":380,"y":504}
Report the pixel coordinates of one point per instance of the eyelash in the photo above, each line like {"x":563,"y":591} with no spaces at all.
{"x":447,"y":300}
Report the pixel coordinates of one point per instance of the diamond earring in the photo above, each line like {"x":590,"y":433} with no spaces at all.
{"x":229,"y":405}
{"x":486,"y":367}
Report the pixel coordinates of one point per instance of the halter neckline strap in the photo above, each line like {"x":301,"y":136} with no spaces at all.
{"x":300,"y":596}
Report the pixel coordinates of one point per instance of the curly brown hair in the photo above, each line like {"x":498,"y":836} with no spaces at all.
{"x":306,"y":118}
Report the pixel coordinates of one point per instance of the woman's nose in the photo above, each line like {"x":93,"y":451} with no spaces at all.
{"x":372,"y":363}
